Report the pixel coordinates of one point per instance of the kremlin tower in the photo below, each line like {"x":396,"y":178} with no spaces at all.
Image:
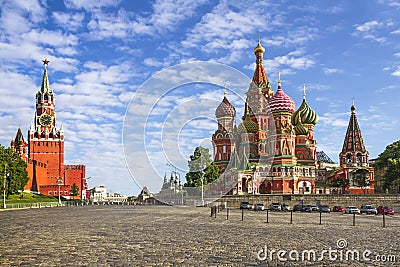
{"x":44,"y":151}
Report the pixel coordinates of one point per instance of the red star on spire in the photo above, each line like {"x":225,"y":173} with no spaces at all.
{"x":45,"y":61}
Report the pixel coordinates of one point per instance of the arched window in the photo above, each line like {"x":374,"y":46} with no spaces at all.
{"x":359,"y":158}
{"x":349,"y":158}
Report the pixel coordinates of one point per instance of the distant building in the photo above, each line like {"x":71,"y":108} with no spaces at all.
{"x":99,"y":194}
{"x":172,"y":191}
{"x":44,"y":150}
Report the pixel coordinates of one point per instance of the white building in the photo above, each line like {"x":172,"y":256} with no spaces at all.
{"x":99,"y":194}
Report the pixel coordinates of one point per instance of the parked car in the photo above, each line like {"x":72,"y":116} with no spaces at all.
{"x":244,"y":205}
{"x":338,"y":209}
{"x":325,"y":208}
{"x":368,"y":209}
{"x":310,"y":208}
{"x":385,"y":210}
{"x":285,"y":207}
{"x":259,"y":206}
{"x":275,"y":206}
{"x":298,"y":207}
{"x":351,"y":210}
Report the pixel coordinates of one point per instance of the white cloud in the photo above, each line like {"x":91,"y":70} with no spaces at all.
{"x":69,"y":21}
{"x":396,"y":72}
{"x":369,"y":26}
{"x":331,"y":70}
{"x":90,"y":5}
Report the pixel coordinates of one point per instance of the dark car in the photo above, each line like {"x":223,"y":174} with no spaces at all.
{"x":385,"y":210}
{"x":275,"y":206}
{"x":298,"y":207}
{"x":338,"y":209}
{"x":285,"y":207}
{"x":310,"y":208}
{"x":325,"y":208}
{"x":244,"y":205}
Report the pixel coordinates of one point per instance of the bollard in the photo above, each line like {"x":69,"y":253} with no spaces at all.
{"x":227,"y":213}
{"x":291,"y":216}
{"x":215,"y":212}
{"x":242,"y":214}
{"x":320,"y":217}
{"x":267,"y":216}
{"x":211,"y":209}
{"x":384,"y":223}
{"x":354,"y":219}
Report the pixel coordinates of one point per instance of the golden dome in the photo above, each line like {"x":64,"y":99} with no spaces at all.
{"x":259,"y":48}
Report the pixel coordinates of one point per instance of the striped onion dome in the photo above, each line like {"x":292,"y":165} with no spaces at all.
{"x":300,"y":129}
{"x":305,"y":114}
{"x":281,"y":102}
{"x":225,"y":109}
{"x":248,"y":126}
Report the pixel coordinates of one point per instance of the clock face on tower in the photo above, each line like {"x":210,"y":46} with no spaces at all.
{"x":45,"y":120}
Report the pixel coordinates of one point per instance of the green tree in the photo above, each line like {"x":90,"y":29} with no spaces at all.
{"x":339,"y":182}
{"x":361,"y":179}
{"x":74,"y":190}
{"x":15,"y":169}
{"x":200,"y":162}
{"x":389,"y":162}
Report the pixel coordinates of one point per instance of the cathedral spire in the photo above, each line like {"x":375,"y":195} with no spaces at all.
{"x":45,"y":88}
{"x":353,"y":141}
{"x":260,"y":78}
{"x":353,"y":151}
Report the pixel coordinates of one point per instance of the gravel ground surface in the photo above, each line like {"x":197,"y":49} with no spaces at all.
{"x":188,"y":236}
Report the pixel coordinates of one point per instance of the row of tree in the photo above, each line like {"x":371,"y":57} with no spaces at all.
{"x":13,"y":171}
{"x":388,"y":166}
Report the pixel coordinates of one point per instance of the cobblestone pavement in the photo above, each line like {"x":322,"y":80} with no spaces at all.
{"x":188,"y":236}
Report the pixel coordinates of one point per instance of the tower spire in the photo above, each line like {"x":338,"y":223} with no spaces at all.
{"x":45,"y":88}
{"x":353,"y":141}
{"x":304,"y":91}
{"x":279,"y":80}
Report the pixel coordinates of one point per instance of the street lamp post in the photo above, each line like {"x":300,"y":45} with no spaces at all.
{"x":4,"y":186}
{"x":59,"y":181}
{"x":202,"y":187}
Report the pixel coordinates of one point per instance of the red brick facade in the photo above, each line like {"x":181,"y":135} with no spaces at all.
{"x":44,"y":151}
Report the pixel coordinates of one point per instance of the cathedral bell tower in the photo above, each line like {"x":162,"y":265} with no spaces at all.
{"x":46,"y":143}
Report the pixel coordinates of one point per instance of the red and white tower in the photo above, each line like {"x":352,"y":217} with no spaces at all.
{"x":46,"y":143}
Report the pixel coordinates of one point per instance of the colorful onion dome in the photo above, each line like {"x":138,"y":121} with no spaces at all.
{"x":225,"y":109}
{"x":248,"y":126}
{"x":300,"y":129}
{"x":305,"y":113}
{"x":281,"y":102}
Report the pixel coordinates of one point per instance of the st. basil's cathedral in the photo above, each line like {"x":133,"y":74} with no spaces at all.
{"x":273,"y":150}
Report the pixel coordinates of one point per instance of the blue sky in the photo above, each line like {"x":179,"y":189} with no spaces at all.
{"x":102,"y":52}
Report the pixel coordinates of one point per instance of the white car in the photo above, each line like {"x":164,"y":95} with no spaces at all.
{"x":351,"y":210}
